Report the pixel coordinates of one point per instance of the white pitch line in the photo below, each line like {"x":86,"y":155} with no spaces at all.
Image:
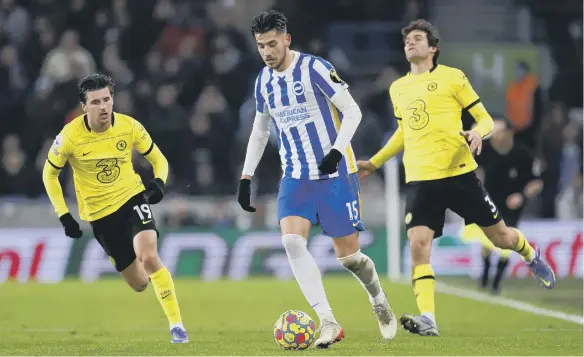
{"x":514,"y":304}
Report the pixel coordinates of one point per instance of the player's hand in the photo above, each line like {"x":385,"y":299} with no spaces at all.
{"x":533,"y":188}
{"x":71,"y":226}
{"x":244,"y":195}
{"x":474,"y":139}
{"x":155,"y":191}
{"x":365,"y":168}
{"x":514,"y":201}
{"x":330,"y":162}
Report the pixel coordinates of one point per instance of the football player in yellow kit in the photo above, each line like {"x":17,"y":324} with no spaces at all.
{"x":111,"y":197}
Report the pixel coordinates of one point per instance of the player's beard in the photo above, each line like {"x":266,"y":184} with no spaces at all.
{"x":274,"y":64}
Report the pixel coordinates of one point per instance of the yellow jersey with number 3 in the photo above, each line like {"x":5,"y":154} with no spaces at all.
{"x":429,"y":107}
{"x":103,"y":174}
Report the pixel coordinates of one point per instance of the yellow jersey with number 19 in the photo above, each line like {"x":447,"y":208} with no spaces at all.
{"x":429,"y":106}
{"x":103,"y":174}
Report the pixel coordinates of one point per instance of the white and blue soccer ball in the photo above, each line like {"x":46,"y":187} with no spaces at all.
{"x":294,"y":330}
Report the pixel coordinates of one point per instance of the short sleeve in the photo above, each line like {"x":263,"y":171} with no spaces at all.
{"x":141,"y":139}
{"x":462,"y":89}
{"x":59,"y":151}
{"x":325,"y":76}
{"x":259,"y":97}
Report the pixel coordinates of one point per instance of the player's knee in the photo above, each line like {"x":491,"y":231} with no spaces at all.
{"x":150,"y":260}
{"x":294,"y":244}
{"x":139,"y":284}
{"x":418,"y":242}
{"x":356,"y":262}
{"x":140,"y":287}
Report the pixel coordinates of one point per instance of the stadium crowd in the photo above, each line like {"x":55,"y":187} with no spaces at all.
{"x":188,"y":76}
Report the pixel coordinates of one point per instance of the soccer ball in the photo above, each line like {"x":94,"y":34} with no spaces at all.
{"x":294,"y":330}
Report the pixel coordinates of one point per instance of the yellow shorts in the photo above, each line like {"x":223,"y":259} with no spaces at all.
{"x":473,"y":232}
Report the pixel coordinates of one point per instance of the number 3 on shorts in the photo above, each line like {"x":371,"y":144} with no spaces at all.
{"x":490,"y":202}
{"x":353,"y":210}
{"x":141,"y":210}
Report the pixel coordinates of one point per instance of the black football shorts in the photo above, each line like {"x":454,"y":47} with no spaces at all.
{"x":427,"y":201}
{"x":115,"y":232}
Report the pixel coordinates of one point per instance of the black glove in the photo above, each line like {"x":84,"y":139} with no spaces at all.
{"x":71,"y":226}
{"x":244,"y":195}
{"x":330,"y":162}
{"x":155,"y":191}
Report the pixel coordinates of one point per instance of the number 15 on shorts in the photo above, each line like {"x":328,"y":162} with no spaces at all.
{"x":353,"y":210}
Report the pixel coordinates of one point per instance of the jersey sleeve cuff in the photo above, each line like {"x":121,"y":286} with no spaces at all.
{"x":149,"y":149}
{"x":53,"y":165}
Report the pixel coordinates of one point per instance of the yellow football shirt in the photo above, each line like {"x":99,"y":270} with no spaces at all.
{"x":103,"y":173}
{"x":429,"y":106}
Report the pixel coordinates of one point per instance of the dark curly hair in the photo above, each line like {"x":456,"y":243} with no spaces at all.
{"x":431,"y":33}
{"x":94,"y":82}
{"x":267,"y":21}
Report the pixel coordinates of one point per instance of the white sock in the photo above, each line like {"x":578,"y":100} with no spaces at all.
{"x":363,"y":268}
{"x":430,"y":316}
{"x":177,"y":325}
{"x":307,"y":275}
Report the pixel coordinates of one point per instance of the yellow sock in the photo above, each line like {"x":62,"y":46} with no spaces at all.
{"x":523,"y":247}
{"x":424,"y":282}
{"x":164,"y":289}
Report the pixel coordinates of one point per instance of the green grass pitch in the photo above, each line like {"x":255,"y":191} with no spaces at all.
{"x":236,"y":318}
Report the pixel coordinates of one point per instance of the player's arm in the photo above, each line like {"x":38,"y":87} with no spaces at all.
{"x":323,"y":74}
{"x":469,"y":99}
{"x":394,"y":146}
{"x":56,"y":160}
{"x":256,"y":145}
{"x":145,"y":146}
{"x":258,"y":139}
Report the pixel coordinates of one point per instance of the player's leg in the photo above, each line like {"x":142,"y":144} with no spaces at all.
{"x":424,"y":220}
{"x":296,"y":213}
{"x":145,"y":239}
{"x":478,"y":207}
{"x":502,"y":265}
{"x":472,"y":232}
{"x":512,"y":238}
{"x":114,"y":241}
{"x":339,"y":212}
{"x":511,"y":219}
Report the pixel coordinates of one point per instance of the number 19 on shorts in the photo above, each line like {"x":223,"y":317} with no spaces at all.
{"x":144,"y":212}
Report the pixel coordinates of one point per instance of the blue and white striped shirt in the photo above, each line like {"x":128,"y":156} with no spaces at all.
{"x":299,"y":103}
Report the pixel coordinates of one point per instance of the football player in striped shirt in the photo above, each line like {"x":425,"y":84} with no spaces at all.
{"x":315,"y":118}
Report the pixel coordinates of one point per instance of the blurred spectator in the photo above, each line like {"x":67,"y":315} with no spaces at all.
{"x":524,"y":104}
{"x":550,"y":152}
{"x":15,"y":22}
{"x":186,"y":70}
{"x":68,"y":60}
{"x":17,"y":178}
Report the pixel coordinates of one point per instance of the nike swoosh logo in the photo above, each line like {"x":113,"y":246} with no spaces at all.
{"x":86,"y":153}
{"x":496,"y":215}
{"x":545,"y":282}
{"x":148,"y":221}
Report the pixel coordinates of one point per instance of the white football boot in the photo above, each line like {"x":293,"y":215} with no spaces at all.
{"x":386,"y":320}
{"x":330,"y":332}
